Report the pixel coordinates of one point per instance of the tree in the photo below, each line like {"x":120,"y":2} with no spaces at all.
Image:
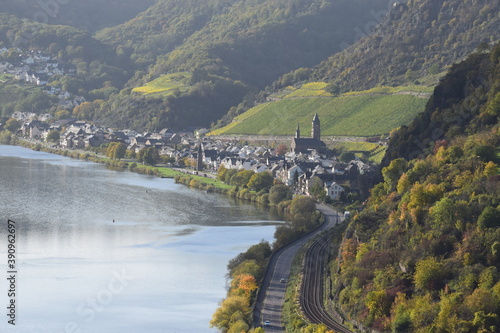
{"x":485,"y":153}
{"x":494,"y":106}
{"x":317,"y":190}
{"x":53,"y":136}
{"x":5,"y":138}
{"x":84,"y":110}
{"x":119,"y":151}
{"x":378,"y":303}
{"x":151,"y":157}
{"x":231,"y":310}
{"x":221,"y":173}
{"x":403,"y":184}
{"x":228,"y":175}
{"x":12,"y":125}
{"x":242,"y":178}
{"x":246,"y":283}
{"x":490,"y":169}
{"x":489,"y":218}
{"x":428,"y":274}
{"x":281,"y":150}
{"x":482,"y":300}
{"x":279,"y":193}
{"x":302,"y":211}
{"x":347,"y":156}
{"x":238,"y":327}
{"x":247,"y":267}
{"x":260,"y":181}
{"x":392,"y":172}
{"x":62,"y":114}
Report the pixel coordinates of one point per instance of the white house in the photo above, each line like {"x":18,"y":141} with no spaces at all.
{"x":333,"y":190}
{"x":290,"y":174}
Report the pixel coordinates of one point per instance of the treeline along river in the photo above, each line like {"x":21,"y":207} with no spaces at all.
{"x":106,"y":251}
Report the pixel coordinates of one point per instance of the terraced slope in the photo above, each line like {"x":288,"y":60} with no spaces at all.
{"x":366,"y":114}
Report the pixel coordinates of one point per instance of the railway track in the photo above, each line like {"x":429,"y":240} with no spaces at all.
{"x":311,"y":292}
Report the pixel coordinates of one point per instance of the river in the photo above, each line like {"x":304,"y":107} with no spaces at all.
{"x":106,"y":251}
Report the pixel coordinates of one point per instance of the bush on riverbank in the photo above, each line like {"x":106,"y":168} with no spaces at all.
{"x":303,"y":217}
{"x":200,"y":183}
{"x":246,"y":271}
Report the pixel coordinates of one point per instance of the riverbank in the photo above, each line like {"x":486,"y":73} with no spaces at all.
{"x":285,"y":234}
{"x":65,"y":210}
{"x":201,"y":181}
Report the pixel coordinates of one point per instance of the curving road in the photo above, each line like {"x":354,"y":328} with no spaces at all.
{"x":272,"y":294}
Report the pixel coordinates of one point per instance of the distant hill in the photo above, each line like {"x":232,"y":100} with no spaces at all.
{"x":254,"y":41}
{"x":230,"y":51}
{"x":229,"y":48}
{"x":411,"y":43}
{"x":98,"y":67}
{"x":418,"y":38}
{"x":91,"y":15}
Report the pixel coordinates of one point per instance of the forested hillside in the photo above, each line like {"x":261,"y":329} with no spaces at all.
{"x":230,"y":48}
{"x":406,"y":43}
{"x":424,"y":254}
{"x":254,"y":41}
{"x":90,"y":15}
{"x":100,"y":70}
{"x":419,"y":38}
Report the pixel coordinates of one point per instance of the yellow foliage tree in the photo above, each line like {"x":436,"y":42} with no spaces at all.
{"x":247,"y":283}
{"x":231,"y":310}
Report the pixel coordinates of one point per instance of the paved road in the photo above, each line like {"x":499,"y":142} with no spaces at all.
{"x":270,"y":300}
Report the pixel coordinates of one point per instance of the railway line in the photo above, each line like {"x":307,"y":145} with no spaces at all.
{"x":311,"y":292}
{"x":269,"y":302}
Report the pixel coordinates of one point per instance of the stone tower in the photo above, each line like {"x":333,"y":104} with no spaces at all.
{"x":316,"y":128}
{"x":297,"y":132}
{"x":199,"y":162}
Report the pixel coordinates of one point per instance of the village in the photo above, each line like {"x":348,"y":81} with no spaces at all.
{"x":36,"y":68}
{"x":306,"y":164}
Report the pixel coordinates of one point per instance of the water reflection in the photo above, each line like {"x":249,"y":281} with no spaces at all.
{"x":173,"y":242}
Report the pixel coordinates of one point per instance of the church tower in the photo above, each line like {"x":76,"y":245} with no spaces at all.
{"x":297,"y":132}
{"x":199,"y":160}
{"x":316,"y":128}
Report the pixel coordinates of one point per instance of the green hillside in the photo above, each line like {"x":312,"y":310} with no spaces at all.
{"x":406,"y":43}
{"x":243,"y":44}
{"x":254,"y":41}
{"x":90,"y":15}
{"x":166,"y":85}
{"x":418,"y":38}
{"x":423,"y":253}
{"x":358,"y":115}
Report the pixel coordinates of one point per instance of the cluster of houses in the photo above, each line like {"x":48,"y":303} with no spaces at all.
{"x":36,"y":68}
{"x":300,"y":169}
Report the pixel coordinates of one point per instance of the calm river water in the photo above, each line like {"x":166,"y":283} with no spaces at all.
{"x":160,"y":267}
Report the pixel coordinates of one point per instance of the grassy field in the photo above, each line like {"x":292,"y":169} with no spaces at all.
{"x":314,"y":89}
{"x":374,"y":151}
{"x":166,"y":85}
{"x":317,"y":89}
{"x":359,"y":115}
{"x":6,"y":77}
{"x":170,"y":173}
{"x":392,"y":90}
